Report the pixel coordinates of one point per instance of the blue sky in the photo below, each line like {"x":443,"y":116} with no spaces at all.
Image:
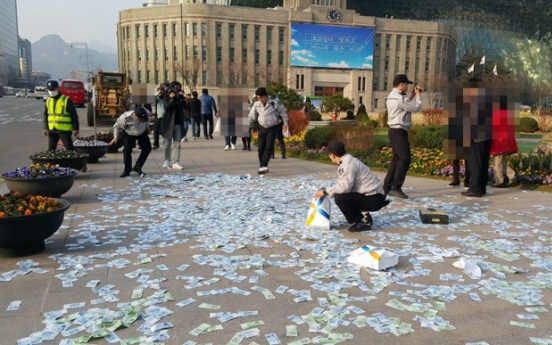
{"x":331,"y":46}
{"x":73,"y":20}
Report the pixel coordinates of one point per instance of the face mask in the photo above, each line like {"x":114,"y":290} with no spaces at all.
{"x":53,"y":93}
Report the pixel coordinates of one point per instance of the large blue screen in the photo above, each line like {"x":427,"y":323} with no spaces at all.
{"x":314,"y":45}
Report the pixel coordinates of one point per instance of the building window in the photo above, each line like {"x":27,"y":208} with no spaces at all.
{"x":128,"y":32}
{"x":175,"y":55}
{"x":360,"y":99}
{"x":281,"y":32}
{"x":166,"y":77}
{"x":398,"y":42}
{"x":385,"y":84}
{"x":231,"y":29}
{"x":155,"y":31}
{"x":187,"y":52}
{"x":257,"y":56}
{"x":376,"y":63}
{"x":148,"y":76}
{"x":280,"y":58}
{"x":219,"y":54}
{"x":203,"y":78}
{"x":175,"y":75}
{"x":418,"y":43}
{"x":166,"y":54}
{"x":417,"y":67}
{"x":244,"y":32}
{"x":165,"y":30}
{"x":408,"y":39}
{"x":147,"y":54}
{"x":139,"y":76}
{"x":204,"y":53}
{"x":196,"y":53}
{"x":137,"y":31}
{"x":156,"y":81}
{"x":257,"y":79}
{"x":203,"y":29}
{"x":361,"y":83}
{"x":386,"y":66}
{"x":407,"y":64}
{"x":257,"y":33}
{"x":397,"y":60}
{"x":429,"y":43}
{"x":439,"y":43}
{"x":232,"y":58}
{"x":427,"y":65}
{"x":269,"y":57}
{"x":376,"y":101}
{"x":244,"y":78}
{"x":299,"y":81}
{"x":377,"y":41}
{"x":318,"y":91}
{"x":244,"y":55}
{"x":219,"y":78}
{"x":387,"y":41}
{"x":187,"y":30}
{"x":146,"y":31}
{"x":138,"y":55}
{"x":175,"y":29}
{"x":219,"y":30}
{"x":375,"y":83}
{"x":194,"y":29}
{"x":269,"y":33}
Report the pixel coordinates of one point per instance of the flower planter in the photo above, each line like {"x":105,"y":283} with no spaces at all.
{"x":51,"y":186}
{"x":25,"y":235}
{"x":94,"y":152}
{"x":78,"y":163}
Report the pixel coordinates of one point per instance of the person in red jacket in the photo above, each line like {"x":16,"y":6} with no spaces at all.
{"x":503,"y":144}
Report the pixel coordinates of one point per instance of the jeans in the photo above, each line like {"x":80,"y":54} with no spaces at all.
{"x":207,"y":119}
{"x":185,"y":127}
{"x":398,"y":139}
{"x":352,"y":204}
{"x":145,"y":145}
{"x":54,"y":137}
{"x":266,"y":144}
{"x":173,"y":144}
{"x":196,"y":126}
{"x":230,"y":139}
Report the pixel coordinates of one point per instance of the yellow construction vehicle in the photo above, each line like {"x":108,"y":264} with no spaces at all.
{"x":110,"y":96}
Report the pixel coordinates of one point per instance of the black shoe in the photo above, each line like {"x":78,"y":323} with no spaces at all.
{"x":244,"y":148}
{"x":471,"y":194}
{"x":125,"y":174}
{"x":211,"y":136}
{"x":139,"y":171}
{"x":398,"y":194}
{"x":283,"y":156}
{"x":386,"y":202}
{"x":364,"y":224}
{"x":502,"y":185}
{"x":455,"y":182}
{"x":155,"y":147}
{"x":249,"y":148}
{"x":206,"y":138}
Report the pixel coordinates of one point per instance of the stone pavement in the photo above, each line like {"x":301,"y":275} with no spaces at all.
{"x":508,"y":227}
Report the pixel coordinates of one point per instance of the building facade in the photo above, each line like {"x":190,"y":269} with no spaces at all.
{"x":25,"y":62}
{"x":210,"y":45}
{"x":9,"y":60}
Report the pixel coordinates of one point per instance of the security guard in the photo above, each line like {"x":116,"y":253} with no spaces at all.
{"x":60,"y":118}
{"x":357,"y":189}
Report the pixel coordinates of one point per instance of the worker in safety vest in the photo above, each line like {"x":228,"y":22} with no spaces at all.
{"x":60,"y":118}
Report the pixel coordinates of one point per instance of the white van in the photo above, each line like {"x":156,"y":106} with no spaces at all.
{"x":39,"y":92}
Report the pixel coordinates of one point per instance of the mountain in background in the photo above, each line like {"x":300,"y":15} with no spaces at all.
{"x":51,"y":54}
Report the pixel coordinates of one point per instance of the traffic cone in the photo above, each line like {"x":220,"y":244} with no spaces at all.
{"x":60,"y":143}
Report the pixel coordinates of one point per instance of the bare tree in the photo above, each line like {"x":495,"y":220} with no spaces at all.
{"x":433,"y":88}
{"x":233,"y":74}
{"x":189,"y":72}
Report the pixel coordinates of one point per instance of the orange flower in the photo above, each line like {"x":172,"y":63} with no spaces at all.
{"x":20,"y":208}
{"x":28,"y":212}
{"x":49,"y":209}
{"x":1,"y":214}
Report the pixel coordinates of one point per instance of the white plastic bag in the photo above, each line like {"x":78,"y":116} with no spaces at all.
{"x":286,"y":133}
{"x":319,"y":214}
{"x":374,"y":258}
{"x":216,"y":130}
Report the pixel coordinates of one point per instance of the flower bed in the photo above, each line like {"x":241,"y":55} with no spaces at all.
{"x":58,"y":154}
{"x":15,"y":204}
{"x":39,"y":171}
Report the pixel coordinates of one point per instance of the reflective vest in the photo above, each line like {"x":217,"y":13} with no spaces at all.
{"x":58,"y":117}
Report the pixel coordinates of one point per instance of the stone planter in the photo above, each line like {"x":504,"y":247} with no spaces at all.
{"x":94,"y":152}
{"x":74,"y":163}
{"x":51,"y":186}
{"x":25,"y":235}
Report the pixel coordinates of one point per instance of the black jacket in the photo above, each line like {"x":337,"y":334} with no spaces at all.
{"x":176,"y":106}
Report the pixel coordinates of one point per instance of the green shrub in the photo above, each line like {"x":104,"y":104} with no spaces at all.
{"x":361,"y":109}
{"x":361,"y":117}
{"x":350,"y":115}
{"x":314,"y":115}
{"x":428,"y":137}
{"x":379,"y":143}
{"x":371,"y":123}
{"x":528,"y":125}
{"x":382,"y":118}
{"x":317,"y":137}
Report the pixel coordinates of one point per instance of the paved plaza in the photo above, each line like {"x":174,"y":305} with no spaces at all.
{"x":216,"y":254}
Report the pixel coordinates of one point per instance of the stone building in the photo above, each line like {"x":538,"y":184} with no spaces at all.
{"x":206,"y":44}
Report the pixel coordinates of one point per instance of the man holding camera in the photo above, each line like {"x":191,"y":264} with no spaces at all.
{"x":400,"y":107}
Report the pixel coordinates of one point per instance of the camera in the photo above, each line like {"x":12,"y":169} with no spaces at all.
{"x":418,"y":88}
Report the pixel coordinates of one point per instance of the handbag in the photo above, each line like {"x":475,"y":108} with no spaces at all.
{"x":286,"y":133}
{"x":217,"y":127}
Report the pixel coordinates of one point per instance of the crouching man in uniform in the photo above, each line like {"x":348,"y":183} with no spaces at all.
{"x":357,"y":189}
{"x":131,"y":126}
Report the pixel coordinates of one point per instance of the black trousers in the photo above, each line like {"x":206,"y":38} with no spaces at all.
{"x":398,"y":139}
{"x":352,"y":204}
{"x":54,"y":137}
{"x":480,"y":153}
{"x":456,"y":171}
{"x":266,"y":144}
{"x":156,"y":125}
{"x":207,"y":119}
{"x":145,"y":146}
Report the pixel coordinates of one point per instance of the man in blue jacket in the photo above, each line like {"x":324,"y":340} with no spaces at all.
{"x":208,"y":107}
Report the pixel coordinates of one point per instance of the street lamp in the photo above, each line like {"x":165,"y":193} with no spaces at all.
{"x":87,"y":66}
